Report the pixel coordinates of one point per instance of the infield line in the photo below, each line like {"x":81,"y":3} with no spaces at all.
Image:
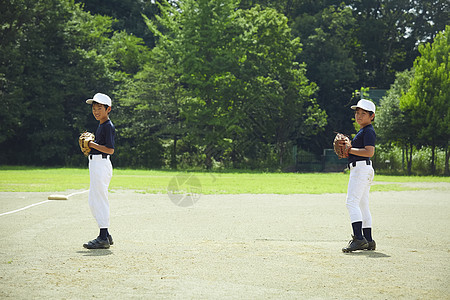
{"x":23,"y":208}
{"x":39,"y":203}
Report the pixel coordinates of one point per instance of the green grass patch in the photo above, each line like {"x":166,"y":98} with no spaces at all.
{"x":401,"y":179}
{"x":391,"y":187}
{"x":23,"y":179}
{"x":43,"y":180}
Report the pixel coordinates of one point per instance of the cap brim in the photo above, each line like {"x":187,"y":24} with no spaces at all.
{"x":352,"y":107}
{"x":89,"y":101}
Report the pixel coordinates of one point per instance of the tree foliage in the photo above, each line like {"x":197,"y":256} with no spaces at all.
{"x":393,"y":125}
{"x":233,"y":82}
{"x":56,"y":55}
{"x":427,"y":101}
{"x":127,"y":15}
{"x":328,"y":40}
{"x":353,"y":43}
{"x":238,"y":67}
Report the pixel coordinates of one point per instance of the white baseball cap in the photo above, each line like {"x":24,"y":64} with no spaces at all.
{"x":100,"y":98}
{"x":364,"y":104}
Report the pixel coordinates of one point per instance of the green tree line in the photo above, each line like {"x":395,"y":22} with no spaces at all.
{"x":415,"y":112}
{"x":206,"y":83}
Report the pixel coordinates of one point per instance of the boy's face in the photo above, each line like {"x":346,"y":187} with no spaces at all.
{"x":100,"y":112}
{"x":363,"y":117}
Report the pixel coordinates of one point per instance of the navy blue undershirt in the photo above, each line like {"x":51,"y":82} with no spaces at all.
{"x":104,"y":135}
{"x":365,"y":137}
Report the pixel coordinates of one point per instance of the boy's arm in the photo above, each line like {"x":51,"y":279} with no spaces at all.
{"x":368,"y":151}
{"x":101,"y":148}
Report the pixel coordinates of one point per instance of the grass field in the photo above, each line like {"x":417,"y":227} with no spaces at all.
{"x":25,"y":179}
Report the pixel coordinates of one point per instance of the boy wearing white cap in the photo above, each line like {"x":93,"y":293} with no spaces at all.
{"x":361,"y":177}
{"x":100,"y":169}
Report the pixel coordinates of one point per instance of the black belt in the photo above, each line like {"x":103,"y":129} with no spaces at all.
{"x":353,"y":164}
{"x":104,"y":156}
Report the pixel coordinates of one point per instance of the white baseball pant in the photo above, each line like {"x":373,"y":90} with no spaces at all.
{"x":361,"y":177}
{"x":100,"y":171}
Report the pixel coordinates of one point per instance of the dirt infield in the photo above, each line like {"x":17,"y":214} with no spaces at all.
{"x":226,"y":246}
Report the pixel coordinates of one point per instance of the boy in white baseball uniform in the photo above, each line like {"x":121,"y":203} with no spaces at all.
{"x":100,"y":169}
{"x":361,"y":177}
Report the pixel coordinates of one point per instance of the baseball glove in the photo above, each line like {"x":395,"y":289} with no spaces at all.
{"x":342,"y":145}
{"x":84,"y":140}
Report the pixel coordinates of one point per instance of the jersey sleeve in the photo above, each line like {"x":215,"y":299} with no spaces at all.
{"x":369,"y":138}
{"x":109,"y":133}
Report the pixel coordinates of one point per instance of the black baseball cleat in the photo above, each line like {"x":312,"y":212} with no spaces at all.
{"x":371,"y":245}
{"x":97,"y":244}
{"x":355,"y":244}
{"x":111,"y":242}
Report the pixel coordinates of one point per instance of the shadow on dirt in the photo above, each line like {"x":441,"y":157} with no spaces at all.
{"x":370,"y":254}
{"x":96,"y":252}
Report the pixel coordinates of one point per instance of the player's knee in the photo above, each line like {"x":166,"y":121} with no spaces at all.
{"x":351,"y":202}
{"x":352,"y":207}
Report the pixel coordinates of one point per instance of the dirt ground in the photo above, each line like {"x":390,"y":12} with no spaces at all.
{"x":226,"y":247}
